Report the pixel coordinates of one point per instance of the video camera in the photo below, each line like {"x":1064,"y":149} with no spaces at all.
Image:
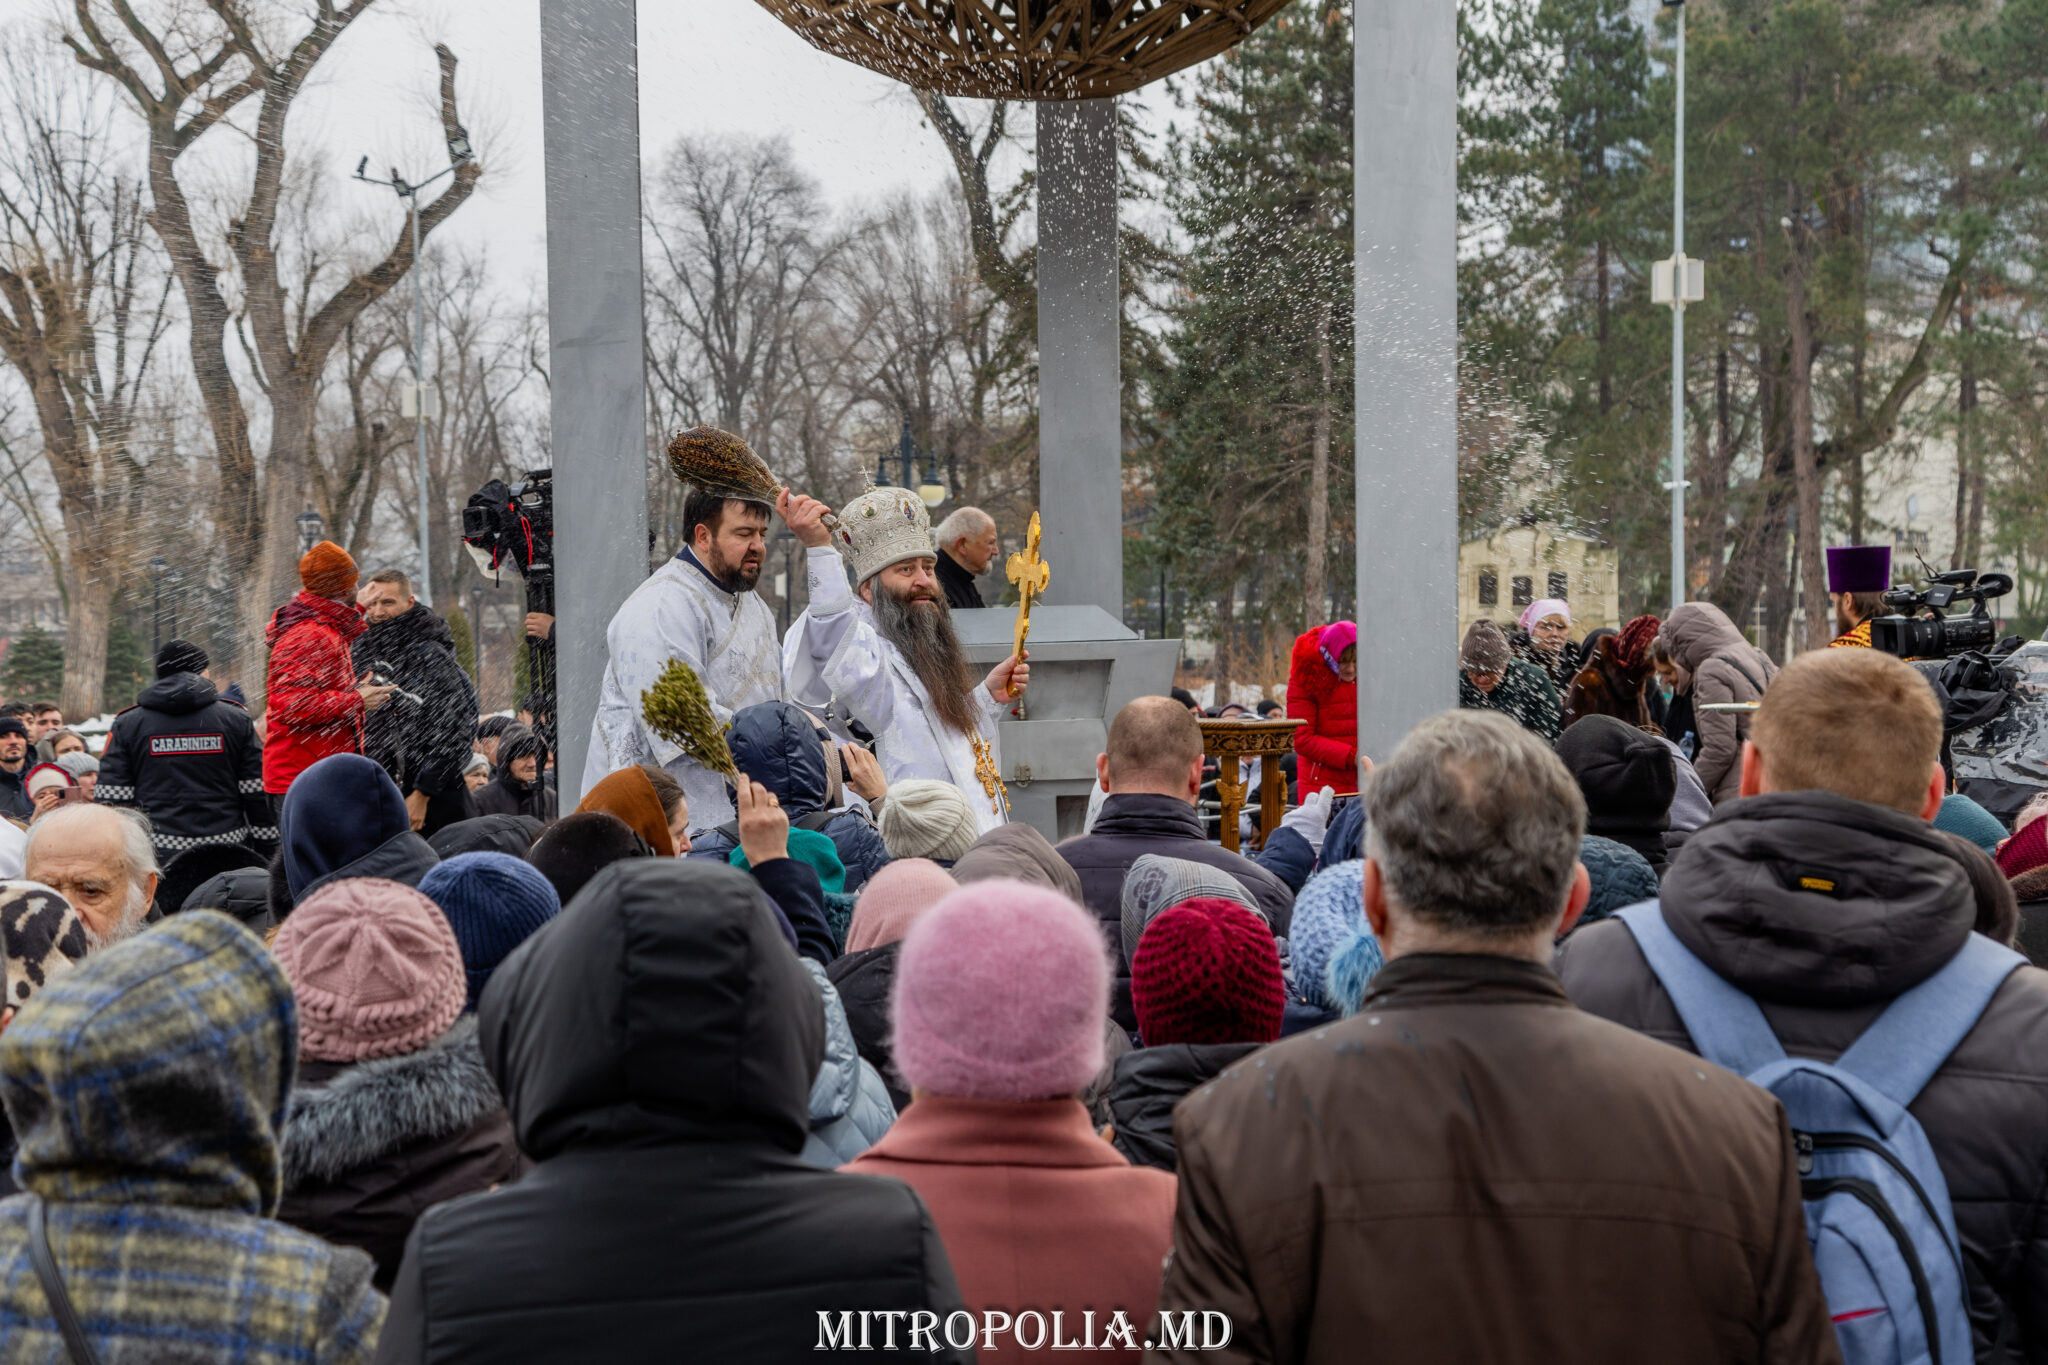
{"x":1938,"y":636}
{"x":515,"y":524}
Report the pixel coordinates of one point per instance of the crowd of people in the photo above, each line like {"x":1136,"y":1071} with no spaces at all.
{"x":1594,"y":1022}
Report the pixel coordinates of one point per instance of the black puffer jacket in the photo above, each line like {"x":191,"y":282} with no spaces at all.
{"x":424,"y":745}
{"x":658,"y":1067}
{"x":864,"y":981}
{"x":512,"y":835}
{"x":192,"y":764}
{"x":1823,"y":966}
{"x":1132,"y":824}
{"x":368,"y":1148}
{"x":1150,"y":1081}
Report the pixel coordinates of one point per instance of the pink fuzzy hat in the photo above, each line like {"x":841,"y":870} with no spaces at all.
{"x":375,"y":969}
{"x":893,"y":900}
{"x":1001,"y":993}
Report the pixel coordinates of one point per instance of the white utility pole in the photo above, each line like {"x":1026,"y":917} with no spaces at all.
{"x":1678,"y":282}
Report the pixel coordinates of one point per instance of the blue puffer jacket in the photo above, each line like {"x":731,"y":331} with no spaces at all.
{"x":776,"y":745}
{"x":850,"y":1107}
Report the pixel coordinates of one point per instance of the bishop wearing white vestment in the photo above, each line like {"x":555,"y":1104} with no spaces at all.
{"x":886,"y":654}
{"x":699,"y":607}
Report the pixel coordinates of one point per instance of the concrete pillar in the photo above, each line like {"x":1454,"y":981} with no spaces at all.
{"x":1080,"y":390}
{"x":591,"y":122}
{"x":1405,"y":160}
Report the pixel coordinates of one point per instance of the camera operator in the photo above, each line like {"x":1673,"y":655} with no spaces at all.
{"x":1858,"y":576}
{"x":424,"y":736}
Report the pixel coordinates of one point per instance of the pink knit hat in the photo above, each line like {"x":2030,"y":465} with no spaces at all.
{"x":375,"y":969}
{"x":893,"y":900}
{"x":1001,"y":993}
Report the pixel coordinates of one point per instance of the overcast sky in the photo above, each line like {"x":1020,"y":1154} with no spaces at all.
{"x":705,"y":65}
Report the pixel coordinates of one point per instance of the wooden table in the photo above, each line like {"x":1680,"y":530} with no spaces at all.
{"x":1266,"y":740}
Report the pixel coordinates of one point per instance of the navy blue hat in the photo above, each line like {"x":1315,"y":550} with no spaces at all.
{"x":11,"y":725}
{"x":337,"y":811}
{"x":494,"y":902}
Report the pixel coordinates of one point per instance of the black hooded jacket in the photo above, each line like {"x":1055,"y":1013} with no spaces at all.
{"x":658,"y":1068}
{"x":424,"y":745}
{"x":1824,"y":963}
{"x":191,"y":763}
{"x":508,"y":795}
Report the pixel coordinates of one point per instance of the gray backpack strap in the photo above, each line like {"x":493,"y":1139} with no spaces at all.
{"x":75,"y":1340}
{"x":1903,"y":1048}
{"x":1727,"y":1027}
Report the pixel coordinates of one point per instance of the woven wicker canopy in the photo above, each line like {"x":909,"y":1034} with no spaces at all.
{"x":1024,"y":49}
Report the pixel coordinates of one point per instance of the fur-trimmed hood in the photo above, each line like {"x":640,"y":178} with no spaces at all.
{"x":374,"y":1109}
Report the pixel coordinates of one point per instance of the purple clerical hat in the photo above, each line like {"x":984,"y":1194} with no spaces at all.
{"x":1859,"y":568}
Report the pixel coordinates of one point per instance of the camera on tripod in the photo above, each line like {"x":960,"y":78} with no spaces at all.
{"x":515,"y":524}
{"x":1939,"y":635}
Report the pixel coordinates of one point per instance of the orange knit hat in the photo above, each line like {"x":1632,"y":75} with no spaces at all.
{"x":327,"y":571}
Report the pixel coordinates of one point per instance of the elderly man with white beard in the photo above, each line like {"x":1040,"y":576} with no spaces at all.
{"x":888,"y":656}
{"x":100,"y":859}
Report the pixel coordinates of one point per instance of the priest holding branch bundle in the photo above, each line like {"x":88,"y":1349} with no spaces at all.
{"x":700,"y":607}
{"x":888,"y":654}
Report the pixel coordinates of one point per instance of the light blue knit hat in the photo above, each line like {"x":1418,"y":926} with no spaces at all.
{"x":1329,"y":910}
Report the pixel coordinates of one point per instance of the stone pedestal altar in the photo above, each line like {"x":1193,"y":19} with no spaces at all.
{"x":1085,"y":665}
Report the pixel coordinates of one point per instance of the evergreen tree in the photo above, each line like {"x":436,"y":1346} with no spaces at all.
{"x":464,"y":640}
{"x":1254,"y":407}
{"x":34,"y":670}
{"x":129,"y":667}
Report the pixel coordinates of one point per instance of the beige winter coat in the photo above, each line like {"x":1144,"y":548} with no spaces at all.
{"x":1725,"y":667}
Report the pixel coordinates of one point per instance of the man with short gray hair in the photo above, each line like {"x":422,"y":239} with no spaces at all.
{"x":1548,"y":1185}
{"x":100,"y":859}
{"x":967,"y":543}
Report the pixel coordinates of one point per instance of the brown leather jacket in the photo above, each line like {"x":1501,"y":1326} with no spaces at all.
{"x":1471,"y":1169}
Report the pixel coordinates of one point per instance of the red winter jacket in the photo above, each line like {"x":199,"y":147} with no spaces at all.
{"x":1328,"y":744}
{"x":314,"y":709}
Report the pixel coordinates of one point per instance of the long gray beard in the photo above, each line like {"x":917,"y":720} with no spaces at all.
{"x":927,"y":642}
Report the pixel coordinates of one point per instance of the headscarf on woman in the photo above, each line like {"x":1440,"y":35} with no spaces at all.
{"x":628,"y":795}
{"x":1560,"y":665}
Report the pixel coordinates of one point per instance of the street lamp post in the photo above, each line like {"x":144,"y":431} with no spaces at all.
{"x":1677,"y":282}
{"x":931,"y":492}
{"x":420,"y":405}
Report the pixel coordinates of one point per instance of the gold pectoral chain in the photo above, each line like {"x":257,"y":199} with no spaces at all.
{"x":991,"y":780}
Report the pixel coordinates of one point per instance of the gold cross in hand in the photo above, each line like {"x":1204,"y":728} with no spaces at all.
{"x":1030,"y":574}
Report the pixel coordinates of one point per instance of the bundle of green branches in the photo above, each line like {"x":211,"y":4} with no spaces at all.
{"x":679,"y":710}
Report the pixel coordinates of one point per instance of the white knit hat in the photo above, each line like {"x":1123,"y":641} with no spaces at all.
{"x":883,"y":526}
{"x":926,"y":819}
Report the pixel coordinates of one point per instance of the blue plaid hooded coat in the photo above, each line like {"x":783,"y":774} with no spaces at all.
{"x":147,"y":1088}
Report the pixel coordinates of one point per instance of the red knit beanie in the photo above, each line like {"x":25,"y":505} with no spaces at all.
{"x":327,"y":571}
{"x":2025,"y":851}
{"x":1632,"y":645}
{"x":1207,"y":971}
